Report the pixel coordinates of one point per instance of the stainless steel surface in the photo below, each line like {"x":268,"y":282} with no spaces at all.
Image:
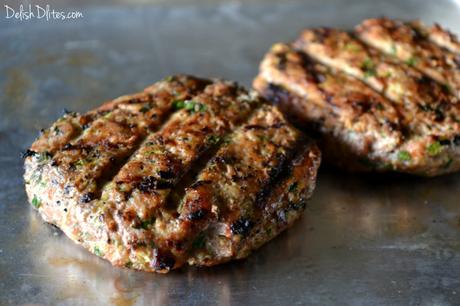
{"x":364,"y":240}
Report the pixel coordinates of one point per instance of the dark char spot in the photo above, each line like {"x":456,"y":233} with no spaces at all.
{"x":67,"y":146}
{"x":444,"y":142}
{"x":297,"y":205}
{"x":276,"y":94}
{"x":282,"y":61}
{"x":242,"y":226}
{"x":150,"y":183}
{"x":457,"y":140}
{"x":255,"y":127}
{"x":168,"y":174}
{"x":87,"y":197}
{"x":197,"y":215}
{"x":28,"y":153}
{"x":162,"y":261}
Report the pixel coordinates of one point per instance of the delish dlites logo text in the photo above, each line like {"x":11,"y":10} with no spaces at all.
{"x":24,"y":13}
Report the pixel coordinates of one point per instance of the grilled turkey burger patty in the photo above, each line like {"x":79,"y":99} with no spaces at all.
{"x":187,"y":171}
{"x":374,"y":110}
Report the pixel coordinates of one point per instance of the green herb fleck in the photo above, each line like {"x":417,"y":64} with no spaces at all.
{"x":36,"y":202}
{"x":352,"y":47}
{"x":386,"y":166}
{"x":393,"y":49}
{"x":144,"y":109}
{"x":141,"y":244}
{"x":199,"y":242}
{"x":227,"y":139}
{"x":404,"y":156}
{"x":446,"y":88}
{"x":366,"y":162}
{"x":56,"y":131}
{"x":269,"y":231}
{"x":98,"y":252}
{"x":169,"y":78}
{"x":42,"y":156}
{"x":412,"y":61}
{"x":180,"y":206}
{"x":129,"y":264}
{"x":190,"y":105}
{"x":263,"y":138}
{"x":144,"y":224}
{"x":434,"y":149}
{"x":293,"y":187}
{"x":214,"y":139}
{"x":81,"y":162}
{"x":369,"y":68}
{"x":448,"y":163}
{"x":388,"y":74}
{"x":178,"y":104}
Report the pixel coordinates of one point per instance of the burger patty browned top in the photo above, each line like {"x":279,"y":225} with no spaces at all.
{"x":383,"y":98}
{"x":187,"y":171}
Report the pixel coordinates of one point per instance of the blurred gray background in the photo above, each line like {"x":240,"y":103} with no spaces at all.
{"x":364,"y":239}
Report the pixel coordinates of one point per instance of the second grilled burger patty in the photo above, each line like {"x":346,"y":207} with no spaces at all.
{"x":188,"y":171}
{"x":375,"y":111}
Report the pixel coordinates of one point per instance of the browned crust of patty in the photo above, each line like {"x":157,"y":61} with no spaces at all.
{"x":181,"y":172}
{"x":340,"y":106}
{"x":437,"y":34}
{"x":335,"y":149}
{"x":405,"y":42}
{"x":428,"y":107}
{"x":329,"y":98}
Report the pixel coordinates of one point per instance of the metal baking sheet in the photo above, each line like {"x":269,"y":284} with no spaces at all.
{"x":364,"y":239}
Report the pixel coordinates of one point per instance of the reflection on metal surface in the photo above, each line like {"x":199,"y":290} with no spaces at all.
{"x":364,"y":240}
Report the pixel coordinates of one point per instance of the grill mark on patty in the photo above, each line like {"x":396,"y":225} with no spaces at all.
{"x":167,"y":157}
{"x":92,"y":159}
{"x":405,"y":43}
{"x":71,"y":126}
{"x":397,"y":81}
{"x":286,"y":200}
{"x":337,"y":99}
{"x":279,"y":172}
{"x":64,"y":130}
{"x":251,"y":159}
{"x":126,"y":231}
{"x":189,"y":179}
{"x":180,"y":144}
{"x":438,"y":35}
{"x":148,"y":182}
